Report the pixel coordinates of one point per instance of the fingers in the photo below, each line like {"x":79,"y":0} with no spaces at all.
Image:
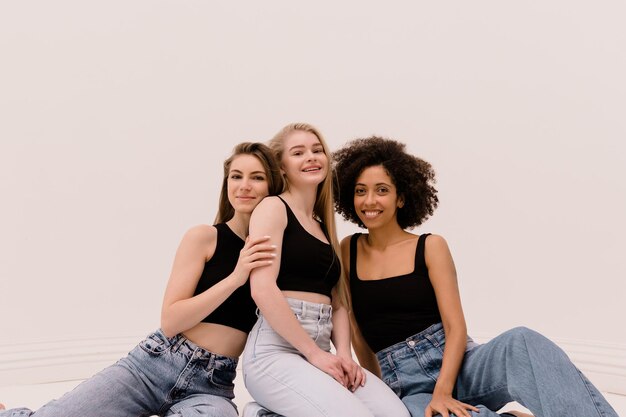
{"x":255,"y":241}
{"x":329,"y":364}
{"x":446,"y":407}
{"x":255,"y":253}
{"x":462,"y":409}
{"x":361,"y":378}
{"x":357,"y":380}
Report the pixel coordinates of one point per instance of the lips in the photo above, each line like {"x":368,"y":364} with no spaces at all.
{"x":370,"y":214}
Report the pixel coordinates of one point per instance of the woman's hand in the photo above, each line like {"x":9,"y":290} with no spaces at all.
{"x":330,"y":364}
{"x":444,"y":404}
{"x":354,"y":373}
{"x":254,"y":254}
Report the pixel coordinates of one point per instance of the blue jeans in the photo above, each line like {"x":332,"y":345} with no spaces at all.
{"x":162,"y":376}
{"x":280,"y":379}
{"x":519,"y":365}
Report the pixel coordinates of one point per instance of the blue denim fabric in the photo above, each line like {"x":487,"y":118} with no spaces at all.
{"x":519,"y":365}
{"x":279,"y":378}
{"x":161,"y":376}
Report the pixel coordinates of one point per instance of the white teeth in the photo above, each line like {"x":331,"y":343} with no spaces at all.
{"x":311,"y":169}
{"x":371,"y":213}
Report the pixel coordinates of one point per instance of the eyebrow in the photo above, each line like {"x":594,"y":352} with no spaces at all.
{"x":377,"y":184}
{"x":315,"y":145}
{"x":253,"y":172}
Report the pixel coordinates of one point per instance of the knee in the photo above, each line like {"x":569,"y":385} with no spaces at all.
{"x":527,"y":340}
{"x":523,"y":334}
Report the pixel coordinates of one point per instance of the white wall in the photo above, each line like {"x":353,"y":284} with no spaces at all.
{"x":115,"y":117}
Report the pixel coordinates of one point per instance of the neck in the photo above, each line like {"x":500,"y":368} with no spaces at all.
{"x":239,"y":224}
{"x":302,"y":200}
{"x":382,"y":237}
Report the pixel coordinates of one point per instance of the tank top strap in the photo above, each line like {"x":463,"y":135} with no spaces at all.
{"x":289,"y":212}
{"x":353,"y":240}
{"x":420,"y":259}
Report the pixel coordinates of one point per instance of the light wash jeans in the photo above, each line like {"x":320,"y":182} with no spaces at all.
{"x":280,"y":379}
{"x":162,"y":376}
{"x":519,"y":365}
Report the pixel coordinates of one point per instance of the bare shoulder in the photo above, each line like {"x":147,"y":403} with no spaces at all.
{"x":271,"y":210}
{"x":200,"y":238}
{"x":345,"y":242}
{"x":436,"y":245}
{"x":435,"y":240}
{"x":345,"y":247}
{"x":201,"y":233}
{"x":270,"y":202}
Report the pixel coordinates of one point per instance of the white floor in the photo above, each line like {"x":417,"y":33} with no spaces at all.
{"x":34,"y":396}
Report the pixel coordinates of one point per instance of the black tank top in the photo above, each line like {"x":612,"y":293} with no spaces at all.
{"x":238,"y":310}
{"x":306,"y":263}
{"x":389,"y":310}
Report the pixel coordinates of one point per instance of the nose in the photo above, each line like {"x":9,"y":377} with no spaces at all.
{"x":245,"y":183}
{"x":370,"y":198}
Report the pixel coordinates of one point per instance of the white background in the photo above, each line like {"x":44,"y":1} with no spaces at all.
{"x":115,"y":118}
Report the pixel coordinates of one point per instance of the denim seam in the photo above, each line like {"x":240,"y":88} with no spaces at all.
{"x":593,"y":397}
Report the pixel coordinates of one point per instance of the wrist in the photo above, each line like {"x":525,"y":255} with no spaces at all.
{"x":442,"y":388}
{"x":344,"y":353}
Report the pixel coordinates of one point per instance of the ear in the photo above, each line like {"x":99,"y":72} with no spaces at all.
{"x":400,"y":202}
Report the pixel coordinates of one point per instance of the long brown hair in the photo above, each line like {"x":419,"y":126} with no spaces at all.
{"x":271,"y":167}
{"x":324,"y":203}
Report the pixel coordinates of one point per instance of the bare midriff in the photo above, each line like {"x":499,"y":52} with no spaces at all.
{"x":311,"y":297}
{"x":217,"y":338}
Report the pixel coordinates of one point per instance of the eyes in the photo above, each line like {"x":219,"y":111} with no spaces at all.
{"x":300,"y":152}
{"x":256,"y":177}
{"x":380,"y":190}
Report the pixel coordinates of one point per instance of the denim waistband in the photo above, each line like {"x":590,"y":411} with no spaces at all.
{"x":309,"y":310}
{"x":411,"y":341}
{"x":188,"y":348}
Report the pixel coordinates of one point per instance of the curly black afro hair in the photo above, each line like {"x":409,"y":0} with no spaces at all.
{"x":412,"y":176}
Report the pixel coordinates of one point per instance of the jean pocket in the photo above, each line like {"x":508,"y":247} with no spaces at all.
{"x":431,"y":358}
{"x":223,"y":378}
{"x":155,"y":344}
{"x":390,"y":378}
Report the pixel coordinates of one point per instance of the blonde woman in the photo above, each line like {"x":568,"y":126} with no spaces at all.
{"x":287,"y":364}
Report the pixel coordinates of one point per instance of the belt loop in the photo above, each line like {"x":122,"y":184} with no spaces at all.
{"x":390,"y":360}
{"x":179,"y":342}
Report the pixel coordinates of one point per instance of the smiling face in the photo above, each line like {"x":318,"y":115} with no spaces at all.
{"x":375,"y":197}
{"x":303,"y":159}
{"x":247,"y":183}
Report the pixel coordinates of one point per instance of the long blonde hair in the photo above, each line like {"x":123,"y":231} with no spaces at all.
{"x":324,"y":203}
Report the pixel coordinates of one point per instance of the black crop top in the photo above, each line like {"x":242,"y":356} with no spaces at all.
{"x":238,"y":310}
{"x":390,"y":310}
{"x":306,"y":263}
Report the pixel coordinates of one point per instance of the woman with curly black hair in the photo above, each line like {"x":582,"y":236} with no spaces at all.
{"x":407,"y":320}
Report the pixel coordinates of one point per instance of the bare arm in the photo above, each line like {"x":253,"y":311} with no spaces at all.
{"x":181,"y":310}
{"x":443,"y":278}
{"x":270,"y":219}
